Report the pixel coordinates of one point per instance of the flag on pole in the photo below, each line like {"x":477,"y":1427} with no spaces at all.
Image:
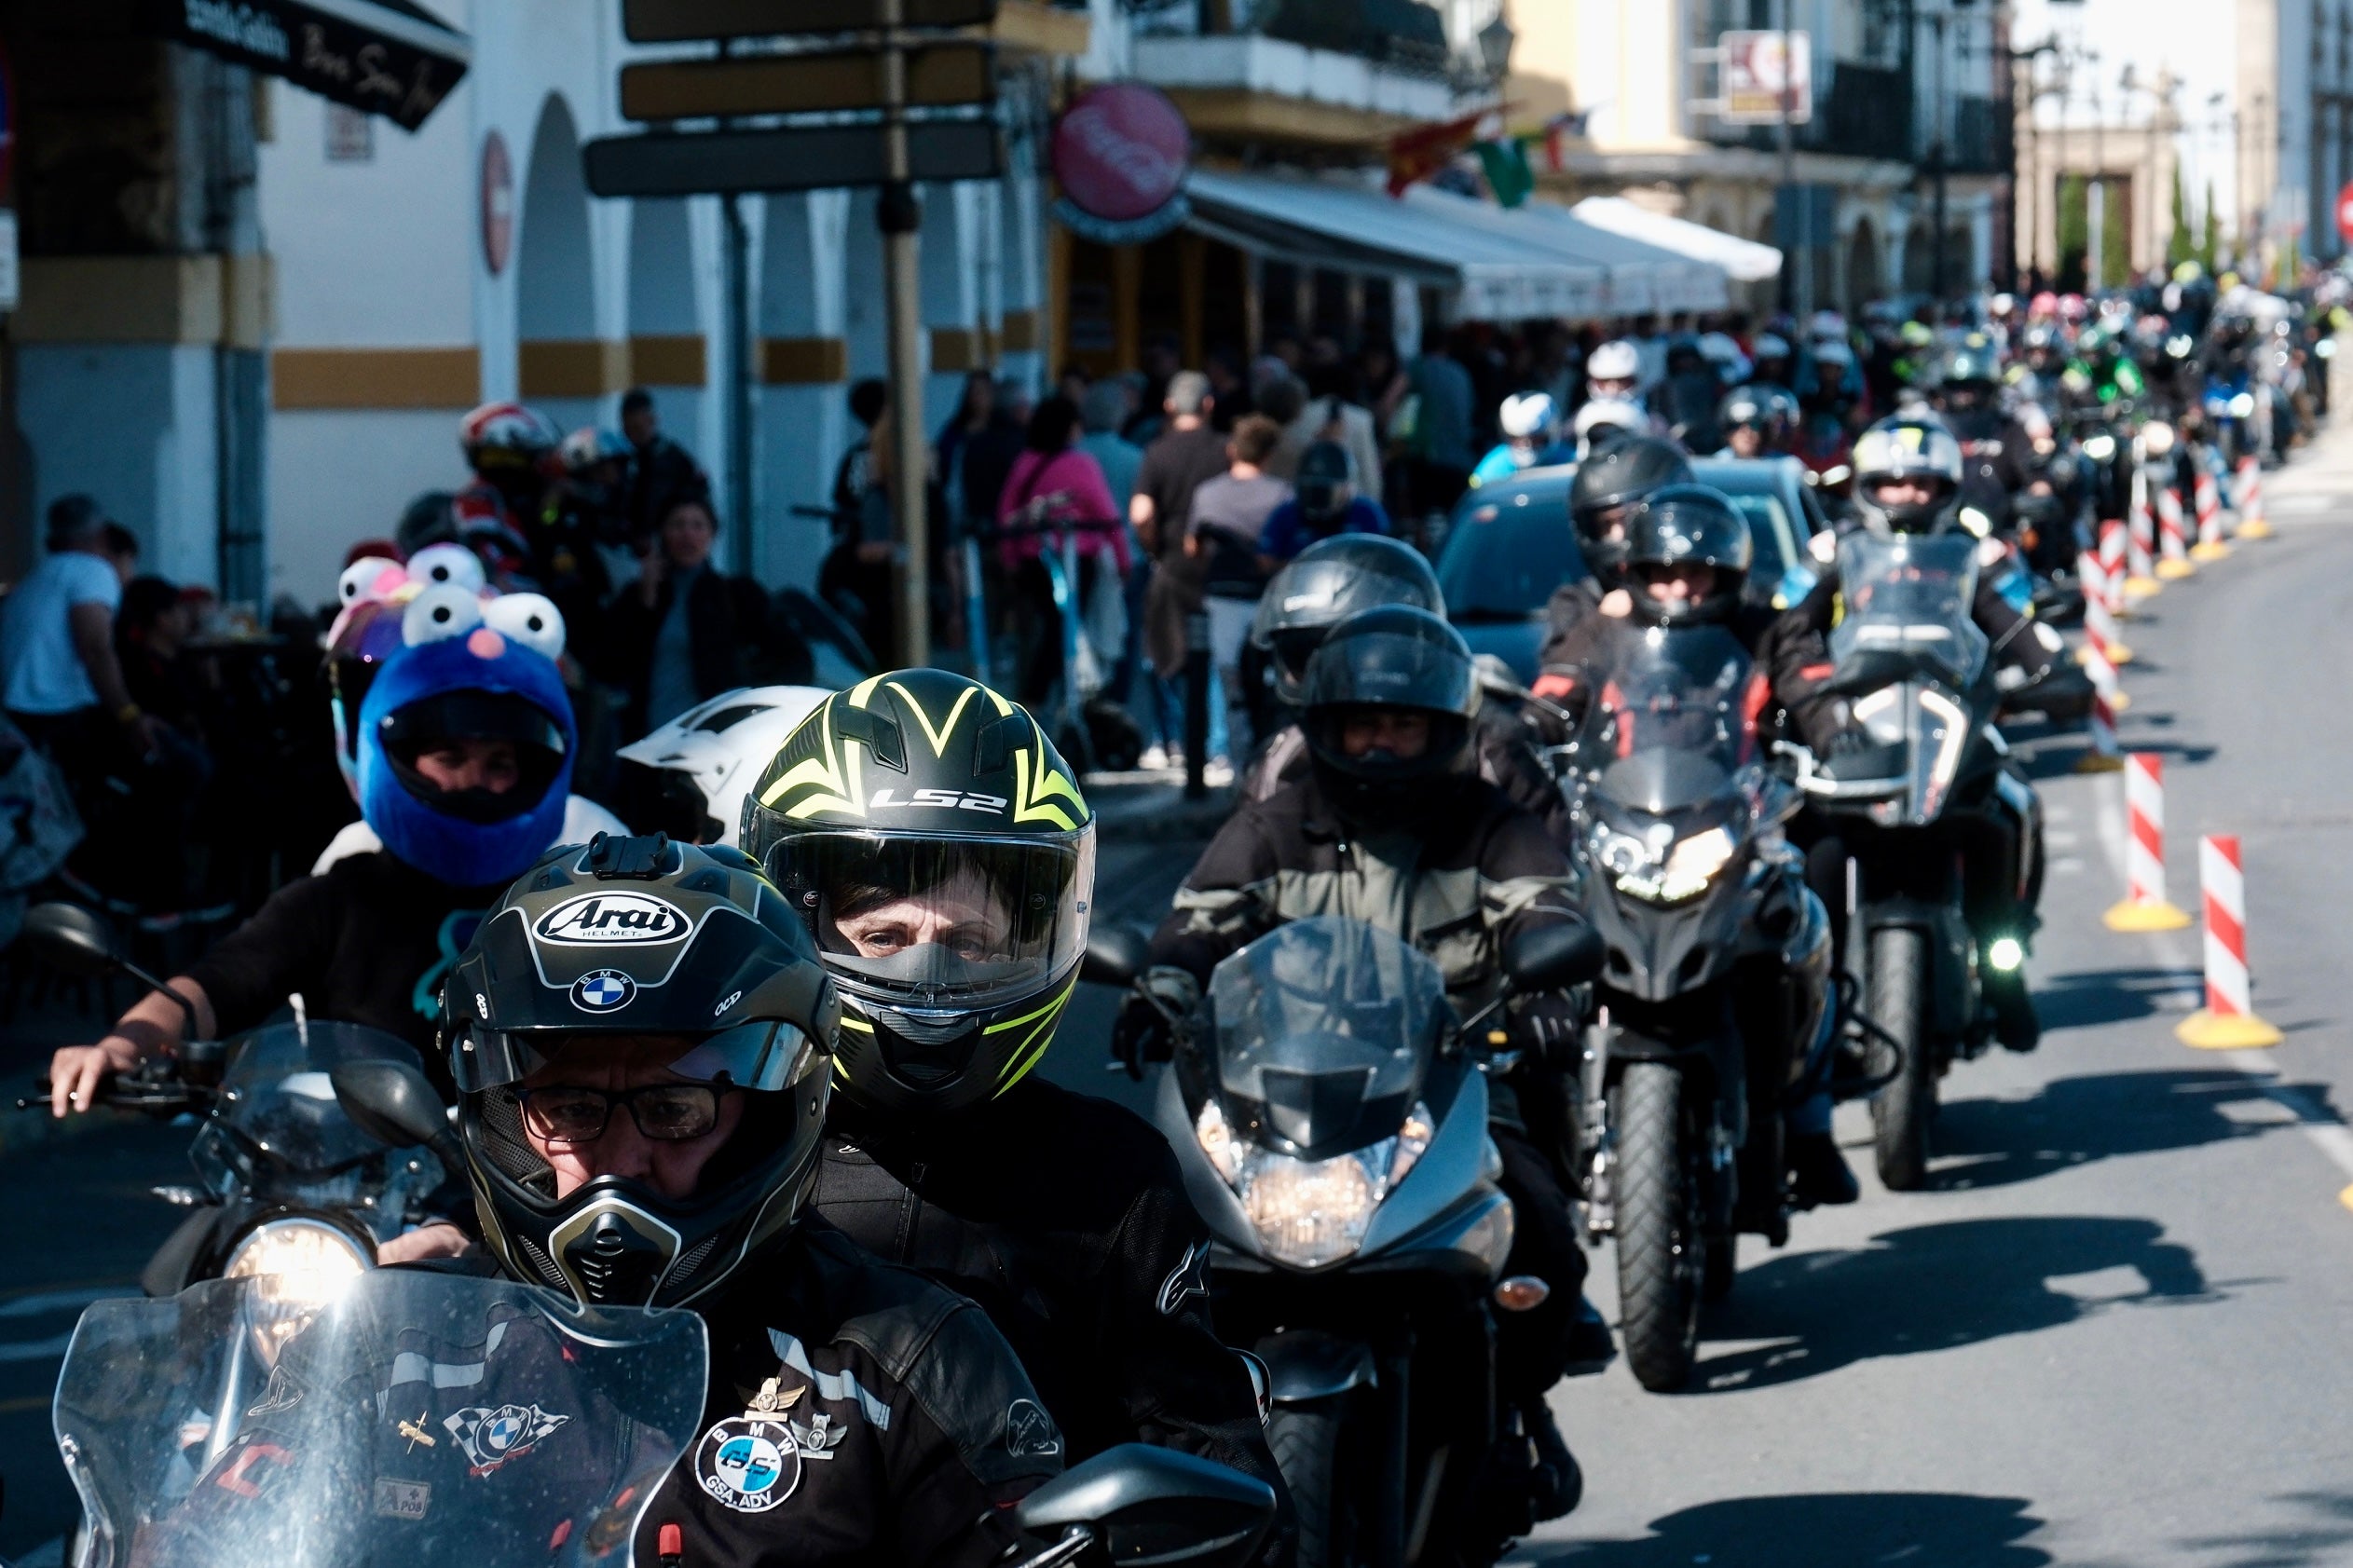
{"x":1506,"y":165}
{"x":1416,"y":154}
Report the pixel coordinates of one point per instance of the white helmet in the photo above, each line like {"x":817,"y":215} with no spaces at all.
{"x":691,"y":777}
{"x":1614,"y":361}
{"x":1527,"y":416}
{"x":1770,"y":346}
{"x":1602,"y":418}
{"x":1921,"y":450}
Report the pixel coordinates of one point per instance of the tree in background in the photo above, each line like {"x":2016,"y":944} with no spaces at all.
{"x":2180,"y":246}
{"x":2211,"y":247}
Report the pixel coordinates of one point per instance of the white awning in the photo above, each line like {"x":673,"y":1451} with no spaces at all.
{"x":1498,"y":266}
{"x":1643,"y":277}
{"x":1742,"y":259}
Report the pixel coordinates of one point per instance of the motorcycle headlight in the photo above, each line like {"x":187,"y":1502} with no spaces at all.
{"x":2243,"y":405}
{"x":2156,"y":438}
{"x":298,"y":1266}
{"x":1688,"y":867}
{"x":1312,"y":1212}
{"x":2099,"y":448}
{"x":2326,"y":348}
{"x":1836,"y":473}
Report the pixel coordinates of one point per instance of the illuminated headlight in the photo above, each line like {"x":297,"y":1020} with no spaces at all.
{"x":2156,"y":439}
{"x":2180,"y":344}
{"x":2242,"y":406}
{"x":1881,"y":716}
{"x":1691,"y":865}
{"x":2006,"y":954}
{"x":2099,"y":448}
{"x":2326,"y":348}
{"x":299,"y":1263}
{"x":1977,"y":522}
{"x":1836,"y":473}
{"x":1312,"y":1212}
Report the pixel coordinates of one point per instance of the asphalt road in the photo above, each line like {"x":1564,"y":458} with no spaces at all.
{"x":2113,"y":1332}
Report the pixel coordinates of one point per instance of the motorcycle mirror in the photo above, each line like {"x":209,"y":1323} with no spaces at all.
{"x":1152,"y":1505}
{"x":71,"y":939}
{"x":1115,"y":955}
{"x":1554,"y":958}
{"x":391,"y":1102}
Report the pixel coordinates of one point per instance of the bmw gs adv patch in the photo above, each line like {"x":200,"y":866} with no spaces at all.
{"x":751,"y":1462}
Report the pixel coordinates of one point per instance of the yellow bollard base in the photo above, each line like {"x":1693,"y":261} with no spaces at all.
{"x":2119,"y":654}
{"x":2142,"y":588}
{"x":2215,"y":1031}
{"x":2217,"y":551}
{"x":2093,"y":762}
{"x":2136,"y":916}
{"x":2254,"y":529}
{"x":2119,"y":700}
{"x":2175,"y":570}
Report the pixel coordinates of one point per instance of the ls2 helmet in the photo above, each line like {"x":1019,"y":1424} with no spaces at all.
{"x":1609,"y":480}
{"x":939,"y":851}
{"x":467,"y":669}
{"x":638,"y":939}
{"x":1392,"y":658}
{"x":1326,"y":583}
{"x":1687,"y":525}
{"x":690,"y":778}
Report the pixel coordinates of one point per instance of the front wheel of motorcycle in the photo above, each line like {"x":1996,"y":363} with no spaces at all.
{"x":1902,"y":1110}
{"x":1661,"y":1248}
{"x":1305,"y":1443}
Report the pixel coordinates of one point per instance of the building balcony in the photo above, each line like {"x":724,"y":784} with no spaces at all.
{"x":1866,"y":112}
{"x":1319,"y":84}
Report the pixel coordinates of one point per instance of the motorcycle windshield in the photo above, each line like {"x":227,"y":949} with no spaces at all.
{"x":420,"y":1419}
{"x":1324,"y":1030}
{"x":276,"y":1098}
{"x":1672,"y":721}
{"x":1905,"y":610}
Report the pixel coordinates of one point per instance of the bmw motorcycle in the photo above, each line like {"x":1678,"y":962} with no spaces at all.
{"x":287,"y":1184}
{"x":1718,"y":961}
{"x":1330,"y":1119}
{"x":1929,"y":813}
{"x":221,"y":1428}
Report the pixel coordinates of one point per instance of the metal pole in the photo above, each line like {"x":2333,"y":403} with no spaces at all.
{"x":2095,"y":189}
{"x":900,"y":217}
{"x":1942,"y":156}
{"x":1799,"y":290}
{"x":736,"y":367}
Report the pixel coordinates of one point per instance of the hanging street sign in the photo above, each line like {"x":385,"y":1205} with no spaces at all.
{"x":382,"y":57}
{"x":939,"y":76}
{"x":791,"y":159}
{"x":676,"y":21}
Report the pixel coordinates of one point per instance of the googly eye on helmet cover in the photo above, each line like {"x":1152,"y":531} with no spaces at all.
{"x":937,"y":848}
{"x":683,"y":967}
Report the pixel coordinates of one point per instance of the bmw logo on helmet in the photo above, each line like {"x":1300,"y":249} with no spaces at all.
{"x":601,"y":991}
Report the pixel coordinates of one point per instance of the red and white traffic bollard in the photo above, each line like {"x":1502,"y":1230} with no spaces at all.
{"x":2100,"y":614}
{"x":2141,"y":542}
{"x":2105,"y":756}
{"x":2227,"y":1022}
{"x":2144,"y":907}
{"x":2252,"y":524}
{"x":2175,"y":544}
{"x":2211,"y":545}
{"x":2112,"y":562}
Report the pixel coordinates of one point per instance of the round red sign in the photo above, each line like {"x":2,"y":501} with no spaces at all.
{"x":1121,"y":151}
{"x":497,"y":203}
{"x":2344,"y":212}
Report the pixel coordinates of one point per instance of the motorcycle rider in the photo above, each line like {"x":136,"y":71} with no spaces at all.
{"x":512,"y":451}
{"x":1608,"y":484}
{"x":1392,"y":826}
{"x":645,"y":1046}
{"x":1997,"y":458}
{"x":465,"y":748}
{"x":1331,"y":581}
{"x":1755,"y":420}
{"x":1908,"y":481}
{"x":1530,"y":427}
{"x":953,"y":932}
{"x":1687,"y":556}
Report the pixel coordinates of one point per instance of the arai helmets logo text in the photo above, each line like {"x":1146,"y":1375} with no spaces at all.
{"x":593,"y":920}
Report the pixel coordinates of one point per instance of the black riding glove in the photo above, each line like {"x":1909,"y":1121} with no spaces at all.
{"x":1164,"y":1002}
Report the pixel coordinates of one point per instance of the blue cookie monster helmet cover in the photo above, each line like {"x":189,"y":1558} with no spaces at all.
{"x":468,"y":670}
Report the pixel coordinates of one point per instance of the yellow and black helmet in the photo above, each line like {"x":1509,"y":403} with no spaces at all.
{"x":939,"y":851}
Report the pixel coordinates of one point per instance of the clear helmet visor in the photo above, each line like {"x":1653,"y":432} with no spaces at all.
{"x":938,"y":921}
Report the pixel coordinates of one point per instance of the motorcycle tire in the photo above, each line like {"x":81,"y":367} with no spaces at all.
{"x":1901,"y":1112}
{"x":1661,"y":1248}
{"x":1305,"y":1443}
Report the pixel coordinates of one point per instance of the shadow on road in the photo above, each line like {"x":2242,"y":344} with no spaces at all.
{"x":1822,"y":1530}
{"x":2075,"y":1121}
{"x":2327,"y":1540}
{"x":1937,"y":1287}
{"x":2089,"y":998}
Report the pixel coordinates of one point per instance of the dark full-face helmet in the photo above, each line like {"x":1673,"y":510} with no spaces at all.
{"x":1388,"y":708}
{"x":644,"y":980}
{"x":1608,"y":482}
{"x":1326,"y":482}
{"x":1326,"y":583}
{"x":942,"y":858}
{"x":1668,"y":536}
